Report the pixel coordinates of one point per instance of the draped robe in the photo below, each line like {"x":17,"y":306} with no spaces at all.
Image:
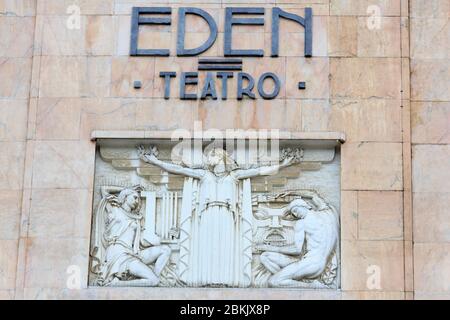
{"x":216,"y":234}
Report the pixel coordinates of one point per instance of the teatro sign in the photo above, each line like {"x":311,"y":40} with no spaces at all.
{"x":219,"y":69}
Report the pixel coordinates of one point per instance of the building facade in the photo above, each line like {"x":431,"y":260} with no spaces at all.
{"x":358,"y":90}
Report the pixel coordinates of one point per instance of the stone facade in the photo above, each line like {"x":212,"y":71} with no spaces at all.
{"x":386,"y":88}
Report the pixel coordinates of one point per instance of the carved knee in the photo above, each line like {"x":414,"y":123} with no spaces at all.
{"x":154,"y":282}
{"x":274,"y":282}
{"x":264,"y":257}
{"x":166,"y":250}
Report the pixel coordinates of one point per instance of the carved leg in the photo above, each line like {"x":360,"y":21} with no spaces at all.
{"x":159,"y":255}
{"x":274,"y":261}
{"x":142,"y":271}
{"x":292,"y":275}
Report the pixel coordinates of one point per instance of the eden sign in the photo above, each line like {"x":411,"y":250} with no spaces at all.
{"x":219,"y":69}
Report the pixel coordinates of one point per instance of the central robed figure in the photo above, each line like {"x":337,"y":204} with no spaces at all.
{"x":216,"y":227}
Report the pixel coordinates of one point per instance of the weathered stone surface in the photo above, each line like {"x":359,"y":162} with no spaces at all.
{"x":430,"y":122}
{"x":13,"y":119}
{"x":16,"y":36}
{"x":62,"y":76}
{"x":430,"y":33}
{"x":343,"y":37}
{"x":10,"y":205}
{"x":361,"y":258}
{"x":7,"y":294}
{"x":349,"y":215}
{"x":366,"y":120}
{"x":432,"y":267}
{"x":11,"y":165}
{"x":48,"y":261}
{"x":56,"y":38}
{"x":63,"y":164}
{"x":314,"y":72}
{"x":58,"y":119}
{"x":165,"y":115}
{"x":380,"y":215}
{"x":429,"y":8}
{"x":431,"y":168}
{"x":87,"y":7}
{"x":430,"y":79}
{"x":18,"y":73}
{"x":179,"y":294}
{"x":372,"y":295}
{"x":372,"y":166}
{"x":360,"y":7}
{"x":19,"y":8}
{"x":8,"y":260}
{"x":127,"y":70}
{"x":365,"y":78}
{"x":60,"y":213}
{"x":431,"y":216}
{"x":379,"y":42}
{"x":102,"y":114}
{"x":99,"y":35}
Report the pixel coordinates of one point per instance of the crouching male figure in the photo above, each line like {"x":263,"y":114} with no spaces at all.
{"x":315,"y":240}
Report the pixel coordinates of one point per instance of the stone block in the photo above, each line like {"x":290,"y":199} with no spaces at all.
{"x":13,"y":119}
{"x":431,"y":168}
{"x":431,"y":216}
{"x":372,"y":166}
{"x":8,"y":261}
{"x":432,"y":267}
{"x":365,"y":78}
{"x":380,"y":215}
{"x":313,"y":71}
{"x":361,"y":7}
{"x":63,"y":164}
{"x":430,"y":79}
{"x":430,"y":122}
{"x":62,"y":77}
{"x":58,"y":119}
{"x":17,"y":72}
{"x":365,"y":262}
{"x":16,"y":36}
{"x":60,"y":213}
{"x":382,"y":41}
{"x":48,"y":261}
{"x":11,"y":165}
{"x":10,"y":208}
{"x":127,"y":70}
{"x":343,"y":36}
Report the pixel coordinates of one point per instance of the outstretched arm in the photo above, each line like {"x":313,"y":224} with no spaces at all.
{"x":170,"y":167}
{"x":263,"y":171}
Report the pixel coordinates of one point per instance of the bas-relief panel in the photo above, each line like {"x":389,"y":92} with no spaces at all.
{"x":172,"y":215}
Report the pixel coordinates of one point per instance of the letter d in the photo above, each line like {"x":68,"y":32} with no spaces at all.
{"x":181,"y":50}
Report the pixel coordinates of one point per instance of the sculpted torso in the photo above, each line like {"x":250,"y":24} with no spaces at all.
{"x":216,"y":188}
{"x":122,"y":226}
{"x":320,"y":239}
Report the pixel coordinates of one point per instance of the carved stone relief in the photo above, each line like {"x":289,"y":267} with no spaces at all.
{"x":164,"y":219}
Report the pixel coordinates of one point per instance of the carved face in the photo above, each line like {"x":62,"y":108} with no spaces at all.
{"x":300,"y":212}
{"x":300,"y":208}
{"x":133,"y":200}
{"x":215,"y":157}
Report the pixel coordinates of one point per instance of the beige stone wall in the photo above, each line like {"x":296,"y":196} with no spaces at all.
{"x":62,"y":84}
{"x":17,"y":21}
{"x":430,"y":135}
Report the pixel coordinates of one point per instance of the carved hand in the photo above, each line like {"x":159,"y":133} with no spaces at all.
{"x":147,"y":155}
{"x":288,"y":161}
